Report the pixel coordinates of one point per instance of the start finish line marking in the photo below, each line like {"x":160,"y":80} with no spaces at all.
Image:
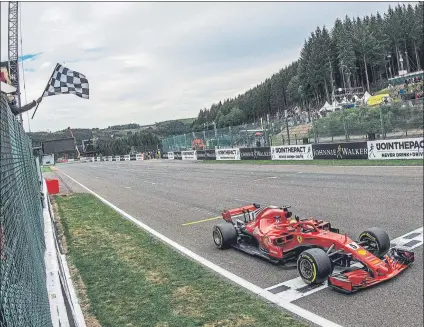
{"x":296,"y":288}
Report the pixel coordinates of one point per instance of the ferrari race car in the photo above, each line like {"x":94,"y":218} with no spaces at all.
{"x":272,"y":233}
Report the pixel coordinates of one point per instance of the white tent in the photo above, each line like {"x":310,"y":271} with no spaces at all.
{"x":344,"y":101}
{"x":326,"y":107}
{"x":366,"y":97}
{"x":297,"y":110}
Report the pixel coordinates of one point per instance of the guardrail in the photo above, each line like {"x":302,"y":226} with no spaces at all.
{"x":126,"y":157}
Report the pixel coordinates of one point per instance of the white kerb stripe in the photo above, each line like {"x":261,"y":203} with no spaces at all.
{"x":318,"y":320}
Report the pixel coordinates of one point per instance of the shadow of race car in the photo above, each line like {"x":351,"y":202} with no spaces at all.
{"x":270,"y":232}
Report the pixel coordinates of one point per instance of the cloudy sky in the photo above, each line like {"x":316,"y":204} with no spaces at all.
{"x":149,"y":62}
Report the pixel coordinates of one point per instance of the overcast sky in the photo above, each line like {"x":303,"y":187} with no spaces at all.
{"x":149,"y":62}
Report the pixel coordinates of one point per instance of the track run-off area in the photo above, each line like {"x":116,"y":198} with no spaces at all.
{"x":183,"y":200}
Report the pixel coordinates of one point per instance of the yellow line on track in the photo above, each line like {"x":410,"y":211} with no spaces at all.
{"x":201,"y":221}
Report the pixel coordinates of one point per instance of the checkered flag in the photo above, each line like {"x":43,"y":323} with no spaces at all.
{"x":66,"y":81}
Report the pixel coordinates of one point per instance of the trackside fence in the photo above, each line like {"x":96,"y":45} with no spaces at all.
{"x":23,"y":293}
{"x":402,"y":119}
{"x":405,"y":148}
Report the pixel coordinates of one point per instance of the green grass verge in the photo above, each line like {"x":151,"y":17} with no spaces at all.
{"x":46,"y":169}
{"x":324,"y":162}
{"x":132,"y":279}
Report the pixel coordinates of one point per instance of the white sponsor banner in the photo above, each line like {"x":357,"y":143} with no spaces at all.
{"x":127,"y":157}
{"x":227,"y":154}
{"x":171,"y":155}
{"x":411,"y":148}
{"x":138,"y":156}
{"x":109,"y":158}
{"x":188,"y":155}
{"x":117,"y":158}
{"x":292,"y":152}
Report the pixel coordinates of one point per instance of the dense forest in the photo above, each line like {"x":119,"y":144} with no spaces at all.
{"x":354,"y":53}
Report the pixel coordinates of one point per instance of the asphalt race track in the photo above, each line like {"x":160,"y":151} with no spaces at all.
{"x":168,"y":195}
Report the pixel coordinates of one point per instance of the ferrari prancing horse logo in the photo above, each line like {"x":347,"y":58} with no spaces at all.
{"x":299,"y":239}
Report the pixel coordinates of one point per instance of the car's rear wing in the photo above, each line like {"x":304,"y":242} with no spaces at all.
{"x":247,"y":211}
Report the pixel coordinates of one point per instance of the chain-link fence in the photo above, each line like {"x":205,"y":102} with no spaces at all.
{"x":211,"y":138}
{"x":394,"y":120}
{"x":23,"y":292}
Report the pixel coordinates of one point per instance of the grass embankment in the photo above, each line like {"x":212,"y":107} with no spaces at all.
{"x":324,"y":162}
{"x":46,"y":169}
{"x":131,"y":279}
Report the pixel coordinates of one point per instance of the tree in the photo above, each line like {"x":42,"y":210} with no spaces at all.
{"x":293,"y":93}
{"x":366,"y":44}
{"x":378,"y":60}
{"x":417,"y":33}
{"x":392,"y":28}
{"x":326,"y":60}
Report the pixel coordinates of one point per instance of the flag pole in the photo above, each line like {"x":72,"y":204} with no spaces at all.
{"x":44,"y":90}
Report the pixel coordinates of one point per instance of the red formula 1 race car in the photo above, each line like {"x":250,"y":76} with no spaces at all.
{"x":272,"y":233}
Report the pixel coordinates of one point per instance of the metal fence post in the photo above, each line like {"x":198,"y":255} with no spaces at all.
{"x":406,"y":121}
{"x":344,"y":123}
{"x":382,"y":123}
{"x":315,"y":128}
{"x":287,"y":127}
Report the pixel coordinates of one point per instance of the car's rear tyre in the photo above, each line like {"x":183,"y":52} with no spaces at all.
{"x":224,"y":235}
{"x":314,"y":266}
{"x":377,"y":241}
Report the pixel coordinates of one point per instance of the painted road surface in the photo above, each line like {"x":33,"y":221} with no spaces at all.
{"x":182,"y":201}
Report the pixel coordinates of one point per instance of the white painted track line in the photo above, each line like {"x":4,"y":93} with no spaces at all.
{"x":293,"y":293}
{"x":305,"y":314}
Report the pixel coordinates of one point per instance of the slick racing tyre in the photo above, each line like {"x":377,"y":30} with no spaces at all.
{"x":377,"y":241}
{"x":224,"y":235}
{"x":314,"y":266}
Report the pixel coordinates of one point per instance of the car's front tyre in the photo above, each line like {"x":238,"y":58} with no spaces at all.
{"x":314,"y":266}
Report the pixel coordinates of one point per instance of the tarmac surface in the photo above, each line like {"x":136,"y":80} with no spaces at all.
{"x":169,"y":195}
